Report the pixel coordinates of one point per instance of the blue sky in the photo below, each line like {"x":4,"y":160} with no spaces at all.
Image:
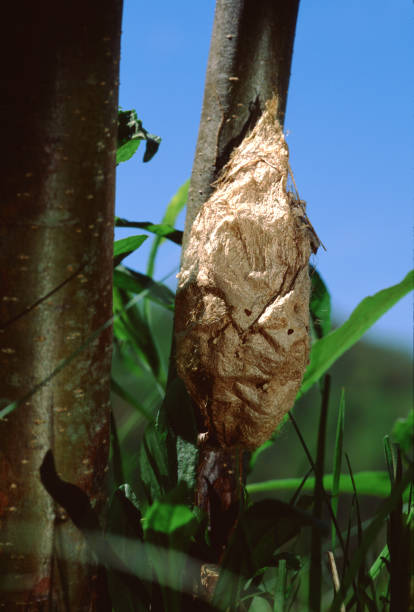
{"x":349,"y":130}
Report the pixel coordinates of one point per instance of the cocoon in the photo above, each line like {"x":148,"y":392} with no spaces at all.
{"x":242,"y":310}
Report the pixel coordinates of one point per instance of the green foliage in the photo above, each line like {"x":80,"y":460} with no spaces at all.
{"x":130,"y":134}
{"x":126,"y":246}
{"x":156,"y":538}
{"x":329,"y":348}
{"x":254,"y":570}
{"x":135,"y":283}
{"x":174,"y":207}
{"x":403,"y":432}
{"x":163,"y":230}
{"x":320,"y":304}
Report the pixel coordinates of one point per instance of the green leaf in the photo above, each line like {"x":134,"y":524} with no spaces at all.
{"x":174,"y":520}
{"x":164,"y":230}
{"x":368,"y":483}
{"x":116,"y":388}
{"x":126,"y":246}
{"x":129,"y":127}
{"x":403,"y":433}
{"x":153,"y":142}
{"x":170,"y":526}
{"x":174,"y":208}
{"x":328,"y":349}
{"x":320,"y":304}
{"x":157,"y":466}
{"x":7,"y":407}
{"x":259,"y":604}
{"x":177,"y":416}
{"x":126,"y":151}
{"x":135,"y":282}
{"x":130,"y":134}
{"x":133,"y":327}
{"x":124,"y":520}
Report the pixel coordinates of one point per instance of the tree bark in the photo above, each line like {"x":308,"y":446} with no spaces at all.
{"x":249,"y":63}
{"x":59,"y":127}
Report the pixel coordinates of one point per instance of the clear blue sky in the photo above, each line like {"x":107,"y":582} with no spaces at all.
{"x":349,"y":125}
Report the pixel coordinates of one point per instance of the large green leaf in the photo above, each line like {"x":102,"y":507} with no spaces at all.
{"x":173,"y":520}
{"x":164,"y":230}
{"x":329,"y":348}
{"x":126,"y":246}
{"x":174,"y":208}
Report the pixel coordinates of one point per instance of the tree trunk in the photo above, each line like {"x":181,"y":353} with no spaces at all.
{"x":249,"y":63}
{"x":250,"y":58}
{"x":59,"y":127}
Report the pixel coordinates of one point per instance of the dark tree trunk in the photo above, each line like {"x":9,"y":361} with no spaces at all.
{"x":249,"y":63}
{"x":59,"y":125}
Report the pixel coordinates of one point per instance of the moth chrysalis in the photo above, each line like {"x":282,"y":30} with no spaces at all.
{"x":242,"y":310}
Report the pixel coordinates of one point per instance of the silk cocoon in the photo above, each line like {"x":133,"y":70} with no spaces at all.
{"x":242,"y":310}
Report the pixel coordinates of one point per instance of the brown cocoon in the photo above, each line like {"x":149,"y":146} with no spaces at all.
{"x":242,"y":322}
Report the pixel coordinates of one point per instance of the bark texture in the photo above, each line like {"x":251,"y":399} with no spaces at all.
{"x":59,"y":121}
{"x":242,"y":324}
{"x":249,"y":63}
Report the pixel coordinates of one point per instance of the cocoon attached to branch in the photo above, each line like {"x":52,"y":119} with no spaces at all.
{"x":242,"y":310}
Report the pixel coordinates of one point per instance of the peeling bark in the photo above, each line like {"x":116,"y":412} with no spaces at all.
{"x":56,"y":233}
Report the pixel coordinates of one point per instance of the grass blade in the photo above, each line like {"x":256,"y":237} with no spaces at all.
{"x":370,"y":534}
{"x":174,"y":208}
{"x":121,"y":392}
{"x":337,"y":462}
{"x":116,"y":455}
{"x":361,"y":571}
{"x":390,"y":458}
{"x":280,"y":598}
{"x":315,"y":573}
{"x":165,"y":230}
